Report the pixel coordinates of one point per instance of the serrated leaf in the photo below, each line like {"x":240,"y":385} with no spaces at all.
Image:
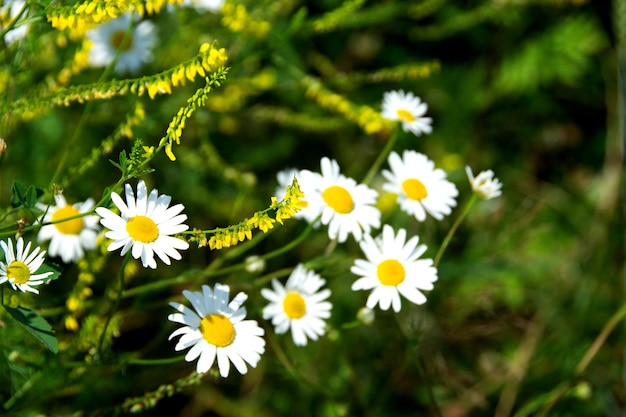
{"x":33,"y":195}
{"x":18,"y":194}
{"x":35,"y":325}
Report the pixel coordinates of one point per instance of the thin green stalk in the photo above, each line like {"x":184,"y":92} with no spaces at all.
{"x":23,"y":389}
{"x":150,"y":362}
{"x":116,"y":303}
{"x":593,"y":350}
{"x":209,"y":272}
{"x":452,"y":230}
{"x":395,"y":134}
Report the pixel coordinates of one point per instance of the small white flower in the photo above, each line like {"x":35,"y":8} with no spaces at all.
{"x":420,"y":187}
{"x":68,"y":239}
{"x":145,"y":225}
{"x":393,"y":268}
{"x":9,"y":11}
{"x":408,"y":109}
{"x":217,"y":329}
{"x":485,"y":184}
{"x":204,"y":5}
{"x":346,"y":207}
{"x":108,"y":37}
{"x":20,"y":269}
{"x":285,"y":178}
{"x":298,"y":305}
{"x":254,"y":264}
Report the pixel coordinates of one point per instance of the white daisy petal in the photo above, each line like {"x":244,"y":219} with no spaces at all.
{"x":20,"y":267}
{"x":216,"y":331}
{"x":140,"y":226}
{"x":137,"y":44}
{"x":408,"y":109}
{"x":420,"y":187}
{"x":392,"y":269}
{"x":345,"y":206}
{"x":300,"y":305}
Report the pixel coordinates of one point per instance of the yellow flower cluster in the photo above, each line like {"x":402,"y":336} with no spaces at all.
{"x":175,"y":129}
{"x":208,"y":59}
{"x":285,"y":209}
{"x":75,"y":303}
{"x":83,"y":15}
{"x":76,"y":65}
{"x":367,"y":118}
{"x":237,"y":19}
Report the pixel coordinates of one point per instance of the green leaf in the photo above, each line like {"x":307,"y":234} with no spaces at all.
{"x":50,"y":267}
{"x":35,"y":325}
{"x":18,"y":194}
{"x":25,"y":197}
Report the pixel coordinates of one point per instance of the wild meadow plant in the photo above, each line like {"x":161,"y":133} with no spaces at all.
{"x":211,"y":208}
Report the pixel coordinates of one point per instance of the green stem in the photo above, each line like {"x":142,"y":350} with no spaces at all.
{"x":452,"y":230}
{"x":599,"y":341}
{"x":116,"y":304}
{"x":209,"y":273}
{"x":395,"y":134}
{"x":23,"y":390}
{"x":149,"y":362}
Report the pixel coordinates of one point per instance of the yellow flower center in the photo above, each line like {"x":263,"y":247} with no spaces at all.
{"x":390,"y":272}
{"x":405,"y":116}
{"x":414,"y":189}
{"x":339,"y":199}
{"x":19,"y":272}
{"x":217,"y":330}
{"x":294,"y":305}
{"x":118,"y":37}
{"x":142,"y":229}
{"x":69,"y":227}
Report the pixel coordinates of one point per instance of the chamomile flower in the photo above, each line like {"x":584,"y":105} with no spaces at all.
{"x":285,"y":178}
{"x":298,"y":305}
{"x":346,"y":207}
{"x":68,"y":239}
{"x":20,"y":268}
{"x":217,"y":329}
{"x":137,"y":46}
{"x":408,"y":109}
{"x":392,"y":269}
{"x":485,"y":184}
{"x":420,"y":187}
{"x":10,"y":10}
{"x":145,"y":225}
{"x":204,"y":5}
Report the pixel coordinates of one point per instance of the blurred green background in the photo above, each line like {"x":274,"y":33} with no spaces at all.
{"x":528,"y":88}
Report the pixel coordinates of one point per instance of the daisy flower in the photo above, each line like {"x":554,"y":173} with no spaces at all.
{"x":70,"y":238}
{"x":392,"y":269}
{"x":420,"y":187}
{"x":408,"y":109}
{"x":285,"y":178}
{"x":217,"y":329}
{"x":204,"y":5}
{"x":9,"y":11}
{"x":145,"y":224}
{"x":108,"y":37}
{"x":299,"y":304}
{"x":346,"y":207}
{"x":485,"y":184}
{"x":19,"y":268}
